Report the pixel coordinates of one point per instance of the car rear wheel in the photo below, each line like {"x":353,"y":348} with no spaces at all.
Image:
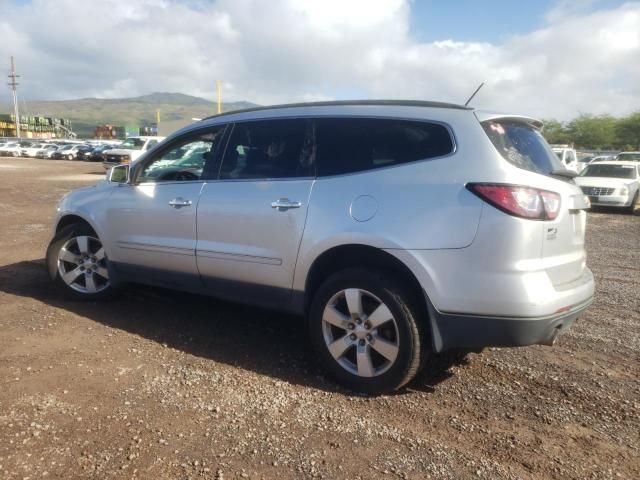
{"x":366,"y":331}
{"x":77,"y":263}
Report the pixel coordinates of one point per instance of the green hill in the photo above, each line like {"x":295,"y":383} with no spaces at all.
{"x":86,"y":113}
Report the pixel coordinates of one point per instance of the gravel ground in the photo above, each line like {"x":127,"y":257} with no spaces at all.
{"x":166,"y":385}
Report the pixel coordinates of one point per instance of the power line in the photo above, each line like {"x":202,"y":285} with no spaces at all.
{"x":13,"y":83}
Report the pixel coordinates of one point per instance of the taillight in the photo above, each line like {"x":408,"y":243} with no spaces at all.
{"x":520,"y":201}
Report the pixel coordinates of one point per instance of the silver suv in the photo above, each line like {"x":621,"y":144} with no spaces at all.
{"x":398,"y":229}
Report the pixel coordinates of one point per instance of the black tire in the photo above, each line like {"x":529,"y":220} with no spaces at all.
{"x":410,"y":337}
{"x":632,"y":207}
{"x":103,"y":289}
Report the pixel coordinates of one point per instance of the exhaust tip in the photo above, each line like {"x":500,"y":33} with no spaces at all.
{"x":551,"y":340}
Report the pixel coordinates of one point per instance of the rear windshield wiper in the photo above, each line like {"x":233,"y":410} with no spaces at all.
{"x":563,"y":173}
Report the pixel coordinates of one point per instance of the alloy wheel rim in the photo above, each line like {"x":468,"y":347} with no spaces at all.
{"x":360,"y":332}
{"x":82,"y":265}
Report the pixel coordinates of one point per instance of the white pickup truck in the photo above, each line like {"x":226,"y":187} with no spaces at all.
{"x":129,"y":150}
{"x":567,"y":156}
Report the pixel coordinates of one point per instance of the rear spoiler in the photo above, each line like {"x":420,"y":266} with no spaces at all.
{"x":484,"y":116}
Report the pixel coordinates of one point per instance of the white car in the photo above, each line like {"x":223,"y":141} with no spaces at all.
{"x":611,"y":184}
{"x":11,"y":150}
{"x":47,"y":150}
{"x":31,"y":150}
{"x":129,"y":150}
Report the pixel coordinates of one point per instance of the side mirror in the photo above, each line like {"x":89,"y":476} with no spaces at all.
{"x":119,"y":174}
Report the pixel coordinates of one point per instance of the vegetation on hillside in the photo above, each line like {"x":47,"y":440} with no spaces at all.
{"x":602,"y":132}
{"x":86,"y":113}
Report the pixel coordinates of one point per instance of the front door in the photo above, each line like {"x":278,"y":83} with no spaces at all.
{"x":251,"y":220}
{"x":151,"y":222}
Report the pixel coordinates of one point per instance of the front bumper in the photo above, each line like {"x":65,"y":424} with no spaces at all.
{"x":453,"y":331}
{"x":611,"y":200}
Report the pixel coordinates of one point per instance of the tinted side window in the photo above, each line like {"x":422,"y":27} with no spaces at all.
{"x":270,"y":149}
{"x":348,"y":145}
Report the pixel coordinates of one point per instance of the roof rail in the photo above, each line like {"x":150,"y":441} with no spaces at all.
{"x":400,"y":103}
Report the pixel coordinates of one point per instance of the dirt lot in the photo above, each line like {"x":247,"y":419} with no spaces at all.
{"x":163,"y":385}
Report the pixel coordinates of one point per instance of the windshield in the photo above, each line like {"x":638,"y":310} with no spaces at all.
{"x":132,"y":144}
{"x":629,"y":156}
{"x":559,"y":154}
{"x":611,"y":171}
{"x":522,"y":145}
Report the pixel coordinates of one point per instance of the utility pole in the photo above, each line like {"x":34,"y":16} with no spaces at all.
{"x":14,"y":84}
{"x":218,"y":89}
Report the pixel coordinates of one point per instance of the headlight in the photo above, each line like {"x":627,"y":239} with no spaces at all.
{"x":624,"y":191}
{"x":124,"y":158}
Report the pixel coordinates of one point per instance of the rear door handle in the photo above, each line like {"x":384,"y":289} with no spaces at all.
{"x":180,"y":202}
{"x":285,"y":204}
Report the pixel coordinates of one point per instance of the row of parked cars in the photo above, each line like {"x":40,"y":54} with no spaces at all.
{"x":61,"y":150}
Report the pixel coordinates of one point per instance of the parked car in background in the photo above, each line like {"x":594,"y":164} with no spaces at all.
{"x":568,"y":157}
{"x":129,"y":150}
{"x":31,"y":150}
{"x":97,"y":154}
{"x":84,"y":151}
{"x":66,"y":152}
{"x":602,"y":158}
{"x":611,"y":184}
{"x":298,"y":207}
{"x":628,"y":157}
{"x":47,"y":150}
{"x":12,"y":149}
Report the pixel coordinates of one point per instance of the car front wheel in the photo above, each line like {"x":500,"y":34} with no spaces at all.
{"x":366,"y":330}
{"x":634,"y":202}
{"x":77,"y":263}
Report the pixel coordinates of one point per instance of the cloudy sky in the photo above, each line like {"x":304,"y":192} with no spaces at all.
{"x":540,"y":57}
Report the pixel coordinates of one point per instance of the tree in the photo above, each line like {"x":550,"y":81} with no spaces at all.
{"x":588,"y":131}
{"x":628,"y":131}
{"x":555,"y":132}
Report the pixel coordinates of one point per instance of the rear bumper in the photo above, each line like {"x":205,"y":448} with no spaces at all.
{"x":453,"y":331}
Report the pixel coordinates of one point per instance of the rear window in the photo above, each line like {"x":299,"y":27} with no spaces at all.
{"x":347,"y":145}
{"x":523,"y":146}
{"x":612,"y":171}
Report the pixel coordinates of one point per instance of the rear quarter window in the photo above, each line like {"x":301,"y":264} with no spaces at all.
{"x":347,"y":145}
{"x":522,"y":145}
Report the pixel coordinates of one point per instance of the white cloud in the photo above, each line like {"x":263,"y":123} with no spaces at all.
{"x":287,"y":50}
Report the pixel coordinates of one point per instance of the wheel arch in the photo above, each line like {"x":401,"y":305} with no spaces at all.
{"x":359,"y":255}
{"x":69,"y":219}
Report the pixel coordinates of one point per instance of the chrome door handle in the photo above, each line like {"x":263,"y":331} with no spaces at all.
{"x":180,"y":202}
{"x":285,"y":204}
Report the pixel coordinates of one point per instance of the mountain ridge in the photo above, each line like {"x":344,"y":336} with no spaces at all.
{"x":86,"y":113}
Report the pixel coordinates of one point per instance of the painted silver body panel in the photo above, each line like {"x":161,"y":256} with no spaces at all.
{"x":141,"y":228}
{"x":241,"y":237}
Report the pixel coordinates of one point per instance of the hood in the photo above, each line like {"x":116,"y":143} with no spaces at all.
{"x":121,"y":151}
{"x":603,"y":182}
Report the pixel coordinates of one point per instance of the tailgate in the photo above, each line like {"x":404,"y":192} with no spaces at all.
{"x":563,"y":250}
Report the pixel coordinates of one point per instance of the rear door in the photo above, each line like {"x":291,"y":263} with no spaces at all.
{"x":251,"y":220}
